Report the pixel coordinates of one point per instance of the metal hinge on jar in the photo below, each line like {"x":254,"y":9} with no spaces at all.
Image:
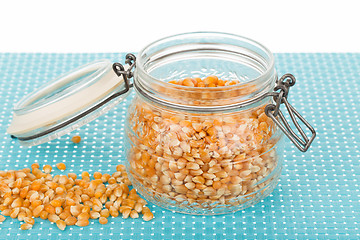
{"x":126,"y":74}
{"x":273,"y":111}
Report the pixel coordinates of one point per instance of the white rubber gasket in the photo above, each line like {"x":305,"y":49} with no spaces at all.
{"x":53,"y":104}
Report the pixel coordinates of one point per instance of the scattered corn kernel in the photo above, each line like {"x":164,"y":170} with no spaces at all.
{"x":126,"y":213}
{"x":35,"y":165}
{"x":134,"y":214}
{"x":97,"y":175}
{"x":66,"y":200}
{"x":61,"y":224}
{"x":103,"y":220}
{"x":76,"y":139}
{"x":47,"y":169}
{"x":70,"y":221}
{"x":82,"y":223}
{"x":61,"y":166}
{"x":148,"y":216}
{"x":26,"y":226}
{"x":120,"y":168}
{"x":29,"y":220}
{"x":105,"y":213}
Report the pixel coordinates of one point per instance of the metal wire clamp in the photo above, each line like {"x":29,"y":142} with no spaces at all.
{"x":126,"y":74}
{"x":274,"y":112}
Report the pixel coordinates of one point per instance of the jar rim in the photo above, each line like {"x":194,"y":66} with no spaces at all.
{"x":140,"y":60}
{"x":229,"y":48}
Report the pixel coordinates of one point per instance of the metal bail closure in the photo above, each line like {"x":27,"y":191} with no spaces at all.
{"x":273,"y":111}
{"x":126,"y":74}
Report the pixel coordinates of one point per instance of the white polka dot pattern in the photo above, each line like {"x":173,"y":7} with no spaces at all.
{"x":318,"y":193}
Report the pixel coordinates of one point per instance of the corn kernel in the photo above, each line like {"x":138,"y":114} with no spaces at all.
{"x":148,"y":216}
{"x":61,"y":224}
{"x":61,"y":166}
{"x":76,"y":139}
{"x":105,"y":213}
{"x":35,"y":165}
{"x":134,"y":214}
{"x":29,"y":220}
{"x":97,"y":175}
{"x":103,"y":220}
{"x":126,"y":213}
{"x":56,"y":203}
{"x":120,"y":168}
{"x":70,"y":221}
{"x":47,"y":169}
{"x":44,"y":215}
{"x":82,"y":222}
{"x":26,"y":226}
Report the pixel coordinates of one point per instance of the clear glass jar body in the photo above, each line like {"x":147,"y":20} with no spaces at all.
{"x":203,"y":150}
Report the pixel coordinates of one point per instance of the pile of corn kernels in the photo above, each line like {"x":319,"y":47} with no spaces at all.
{"x":211,"y":81}
{"x":204,"y":159}
{"x":66,"y":199}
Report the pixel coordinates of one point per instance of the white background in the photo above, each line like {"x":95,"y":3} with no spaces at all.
{"x":127,"y":26}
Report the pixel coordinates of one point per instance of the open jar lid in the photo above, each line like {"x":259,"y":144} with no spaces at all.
{"x":67,"y":103}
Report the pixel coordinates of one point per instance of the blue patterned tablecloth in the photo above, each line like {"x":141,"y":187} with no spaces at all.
{"x":318,"y":194}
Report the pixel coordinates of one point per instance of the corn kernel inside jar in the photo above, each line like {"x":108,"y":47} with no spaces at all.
{"x":202,"y":162}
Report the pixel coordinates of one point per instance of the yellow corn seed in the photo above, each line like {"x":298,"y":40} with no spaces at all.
{"x":126,"y":213}
{"x":103,"y":220}
{"x":138,"y":207}
{"x":134,"y":214}
{"x":64,"y":215}
{"x":26,"y":226}
{"x":70,"y":221}
{"x":44,"y":215}
{"x":120,"y":168}
{"x":61,"y":224}
{"x":21,"y":216}
{"x":148,"y":216}
{"x":29,"y":220}
{"x":105,"y":213}
{"x":53,"y":218}
{"x":113,"y":212}
{"x":61,"y":166}
{"x":35,"y":165}
{"x":72,"y":175}
{"x":85,"y":209}
{"x":94,"y":215}
{"x":76,"y":139}
{"x":56,"y":203}
{"x":97,"y":175}
{"x":82,"y":222}
{"x":47,"y":169}
{"x":14,"y":212}
{"x":83,"y":215}
{"x":145,"y":210}
{"x":75,"y":210}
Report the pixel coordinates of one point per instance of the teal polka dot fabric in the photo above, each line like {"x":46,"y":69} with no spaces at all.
{"x":318,"y":193}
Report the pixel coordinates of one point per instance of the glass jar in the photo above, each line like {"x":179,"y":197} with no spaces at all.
{"x":197,"y":150}
{"x":203,"y":150}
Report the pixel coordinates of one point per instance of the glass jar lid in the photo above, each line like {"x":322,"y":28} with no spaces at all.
{"x":66,"y":103}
